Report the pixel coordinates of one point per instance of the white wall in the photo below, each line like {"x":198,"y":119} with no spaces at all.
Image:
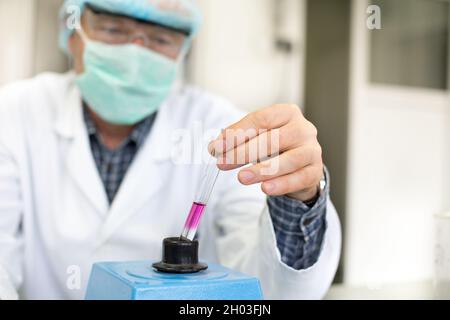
{"x":28,"y":33}
{"x":48,"y":56}
{"x":17,"y":21}
{"x":397,"y":173}
{"x":235,"y":54}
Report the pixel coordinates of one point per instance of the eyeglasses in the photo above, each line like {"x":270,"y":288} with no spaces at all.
{"x":116,"y":29}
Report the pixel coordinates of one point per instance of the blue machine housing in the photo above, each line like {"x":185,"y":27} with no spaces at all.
{"x":139,"y":281}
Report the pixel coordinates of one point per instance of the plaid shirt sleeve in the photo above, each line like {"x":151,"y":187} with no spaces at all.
{"x":299,"y":229}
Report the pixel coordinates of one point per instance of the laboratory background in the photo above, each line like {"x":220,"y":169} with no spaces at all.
{"x":377,"y":90}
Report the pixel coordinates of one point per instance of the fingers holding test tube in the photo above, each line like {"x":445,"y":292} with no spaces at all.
{"x":281,"y":147}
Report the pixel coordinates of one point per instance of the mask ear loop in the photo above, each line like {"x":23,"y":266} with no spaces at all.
{"x":79,"y":30}
{"x":179,"y":63}
{"x":183,"y":53}
{"x":185,"y":49}
{"x":82,"y":34}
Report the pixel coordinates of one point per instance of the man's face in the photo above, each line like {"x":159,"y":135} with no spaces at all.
{"x":117,"y":30}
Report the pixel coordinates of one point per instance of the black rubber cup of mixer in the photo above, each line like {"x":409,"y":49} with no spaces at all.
{"x":180,"y":255}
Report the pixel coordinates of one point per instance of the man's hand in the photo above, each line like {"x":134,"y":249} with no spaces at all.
{"x":283,"y":148}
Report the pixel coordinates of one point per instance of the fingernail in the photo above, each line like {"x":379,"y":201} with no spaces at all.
{"x":247,"y":176}
{"x":216,"y":147}
{"x":211,"y":148}
{"x":269,"y":187}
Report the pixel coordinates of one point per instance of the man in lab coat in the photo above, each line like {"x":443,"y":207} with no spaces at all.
{"x":90,"y":164}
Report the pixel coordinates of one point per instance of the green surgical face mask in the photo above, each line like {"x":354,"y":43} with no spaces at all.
{"x":124,"y":84}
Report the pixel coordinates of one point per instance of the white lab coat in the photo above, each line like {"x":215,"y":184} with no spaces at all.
{"x":55,"y":221}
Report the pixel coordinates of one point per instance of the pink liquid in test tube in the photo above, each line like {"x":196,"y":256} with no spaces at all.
{"x":198,"y":207}
{"x":193,"y":220}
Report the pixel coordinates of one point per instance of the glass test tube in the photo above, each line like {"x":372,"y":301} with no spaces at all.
{"x":201,"y":199}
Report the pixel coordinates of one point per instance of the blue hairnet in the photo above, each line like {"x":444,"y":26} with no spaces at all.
{"x":179,"y":14}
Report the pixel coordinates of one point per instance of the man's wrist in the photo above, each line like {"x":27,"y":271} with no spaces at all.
{"x":311,"y":196}
{"x":307,"y":196}
{"x":310,"y":203}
